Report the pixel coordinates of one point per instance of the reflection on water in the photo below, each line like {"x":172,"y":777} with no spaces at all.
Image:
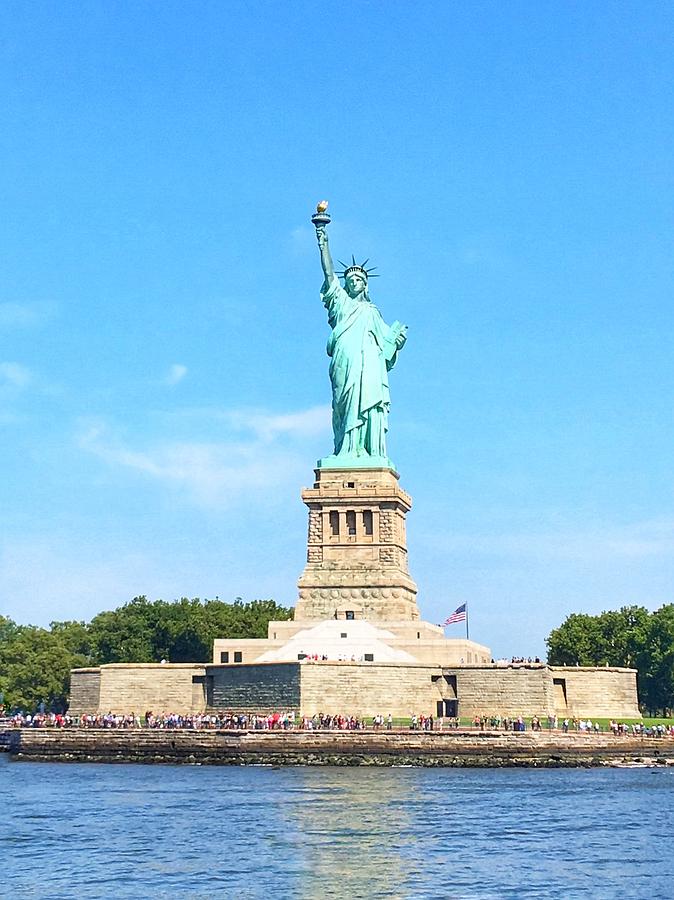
{"x":357,"y":835}
{"x":164,"y":831}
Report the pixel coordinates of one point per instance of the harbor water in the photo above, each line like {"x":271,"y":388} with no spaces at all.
{"x":140,"y":831}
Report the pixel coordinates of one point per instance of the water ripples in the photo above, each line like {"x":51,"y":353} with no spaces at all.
{"x":207,"y":832}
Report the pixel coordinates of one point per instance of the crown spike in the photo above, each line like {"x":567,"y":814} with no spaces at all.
{"x":360,"y":267}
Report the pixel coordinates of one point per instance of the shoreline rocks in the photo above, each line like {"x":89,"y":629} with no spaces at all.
{"x":336,"y":748}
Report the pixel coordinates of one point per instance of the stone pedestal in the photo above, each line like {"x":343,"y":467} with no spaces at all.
{"x":357,"y":548}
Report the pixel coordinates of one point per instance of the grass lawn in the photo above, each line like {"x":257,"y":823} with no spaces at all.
{"x":603,"y":723}
{"x":467,"y":722}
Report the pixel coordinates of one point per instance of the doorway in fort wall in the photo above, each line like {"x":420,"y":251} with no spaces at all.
{"x":447,"y":705}
{"x":559,"y":694}
{"x":448,"y":709}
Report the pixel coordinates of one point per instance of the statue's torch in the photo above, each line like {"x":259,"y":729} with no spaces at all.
{"x":321,"y":217}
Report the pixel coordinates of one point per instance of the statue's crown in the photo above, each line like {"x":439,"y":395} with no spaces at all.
{"x":357,"y":267}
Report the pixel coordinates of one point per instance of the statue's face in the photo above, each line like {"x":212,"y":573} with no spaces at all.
{"x":355,"y":284}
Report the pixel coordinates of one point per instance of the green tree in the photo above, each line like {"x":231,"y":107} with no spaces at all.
{"x":8,"y":633}
{"x":35,"y":663}
{"x":8,"y":630}
{"x":630,"y":637}
{"x":75,"y":636}
{"x":656,"y":662}
{"x":124,"y":634}
{"x":181,"y":631}
{"x":577,"y":642}
{"x":35,"y":666}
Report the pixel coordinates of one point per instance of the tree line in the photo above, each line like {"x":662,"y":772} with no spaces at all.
{"x":631,"y":636}
{"x":35,"y":662}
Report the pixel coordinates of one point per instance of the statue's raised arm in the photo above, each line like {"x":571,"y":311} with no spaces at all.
{"x":320,"y":220}
{"x":363,"y":348}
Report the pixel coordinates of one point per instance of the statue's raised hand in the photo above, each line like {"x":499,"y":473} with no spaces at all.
{"x":321,"y":235}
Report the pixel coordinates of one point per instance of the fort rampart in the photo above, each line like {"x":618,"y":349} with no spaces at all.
{"x":357,"y":689}
{"x":457,"y":749}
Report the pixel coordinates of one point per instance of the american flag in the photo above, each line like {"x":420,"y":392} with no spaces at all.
{"x":459,"y":615}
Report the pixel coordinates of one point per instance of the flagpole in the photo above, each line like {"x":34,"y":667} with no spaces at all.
{"x":467,"y":636}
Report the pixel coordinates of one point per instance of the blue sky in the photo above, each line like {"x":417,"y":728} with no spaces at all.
{"x":163,"y":378}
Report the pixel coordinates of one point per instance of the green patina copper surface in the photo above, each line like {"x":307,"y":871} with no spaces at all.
{"x":362,"y":350}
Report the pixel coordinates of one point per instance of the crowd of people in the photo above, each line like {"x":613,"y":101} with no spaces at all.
{"x":227,"y":721}
{"x":586,"y":726}
{"x":517,"y":660}
{"x":657,"y":730}
{"x":495,"y":722}
{"x":289,"y":720}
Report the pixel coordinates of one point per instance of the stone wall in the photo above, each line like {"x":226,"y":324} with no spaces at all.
{"x":142,"y":687}
{"x":506,"y":691}
{"x":360,"y":689}
{"x":603,"y":693}
{"x":356,"y":548}
{"x":85,"y":690}
{"x":335,"y":748}
{"x":366,"y":690}
{"x":428,"y":645}
{"x":540,"y":690}
{"x":272,"y":687}
{"x":425,"y":642}
{"x":240,"y":650}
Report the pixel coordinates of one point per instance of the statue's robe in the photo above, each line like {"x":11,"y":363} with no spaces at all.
{"x":361,"y":350}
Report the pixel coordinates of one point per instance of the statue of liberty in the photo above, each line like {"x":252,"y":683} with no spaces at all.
{"x":362,"y":349}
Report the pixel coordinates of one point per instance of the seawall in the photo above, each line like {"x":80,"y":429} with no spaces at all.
{"x":340,"y":748}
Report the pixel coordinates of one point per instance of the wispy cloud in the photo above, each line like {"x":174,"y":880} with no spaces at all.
{"x":638,"y":540}
{"x":216,"y":472}
{"x":26,"y":315}
{"x":175,"y":374}
{"x":262,"y":424}
{"x":41,"y":578}
{"x":14,"y":375}
{"x":268,"y":426}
